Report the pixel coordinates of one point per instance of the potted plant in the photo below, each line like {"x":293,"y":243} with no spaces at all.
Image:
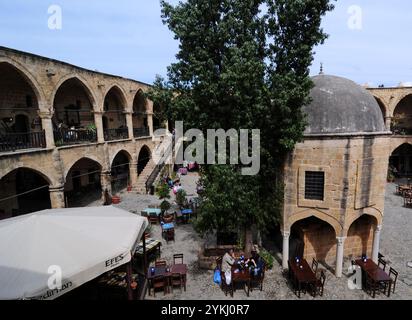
{"x":163,"y":192}
{"x":181,"y":198}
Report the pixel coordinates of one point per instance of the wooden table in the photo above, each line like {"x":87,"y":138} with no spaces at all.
{"x":375,"y":273}
{"x":242,"y":276}
{"x":161,"y":271}
{"x":302,"y":273}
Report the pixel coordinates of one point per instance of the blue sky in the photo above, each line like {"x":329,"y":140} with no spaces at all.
{"x":127,"y":38}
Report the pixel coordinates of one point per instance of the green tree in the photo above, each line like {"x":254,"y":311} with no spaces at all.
{"x":242,"y":64}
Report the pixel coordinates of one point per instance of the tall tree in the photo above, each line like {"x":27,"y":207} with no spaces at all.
{"x":242,"y":64}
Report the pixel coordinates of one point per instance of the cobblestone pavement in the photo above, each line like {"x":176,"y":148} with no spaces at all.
{"x":396,"y":246}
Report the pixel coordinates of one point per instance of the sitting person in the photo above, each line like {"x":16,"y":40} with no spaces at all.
{"x":228,"y":261}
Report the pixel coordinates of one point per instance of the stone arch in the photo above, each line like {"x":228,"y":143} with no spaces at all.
{"x":38,"y":171}
{"x":73,"y":163}
{"x":121,"y":94}
{"x":24,"y":190}
{"x":366,"y":212}
{"x":401,"y":160}
{"x":91,"y":95}
{"x":31,"y":80}
{"x":360,"y":234}
{"x":115,"y":154}
{"x":120,"y":171}
{"x":402,"y":114}
{"x":384,"y":108}
{"x":83,"y":182}
{"x":332,"y":221}
{"x":143,"y":158}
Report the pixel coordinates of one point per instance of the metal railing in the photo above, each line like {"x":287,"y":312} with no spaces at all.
{"x":141,"y":132}
{"x":116,"y":134}
{"x":74,"y":136}
{"x":20,"y":141}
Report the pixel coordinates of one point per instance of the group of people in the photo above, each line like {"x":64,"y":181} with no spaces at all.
{"x":254,"y":264}
{"x":175,"y":185}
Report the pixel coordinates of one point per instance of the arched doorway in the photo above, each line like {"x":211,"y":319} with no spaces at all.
{"x":402,"y":117}
{"x":400,"y":162}
{"x":143,"y":159}
{"x":120,"y":172}
{"x":140,"y":123}
{"x":73,"y":118}
{"x":83,"y":185}
{"x":313,"y":238}
{"x":23,"y":191}
{"x":359,"y":240}
{"x":17,"y":95}
{"x":115,"y":127}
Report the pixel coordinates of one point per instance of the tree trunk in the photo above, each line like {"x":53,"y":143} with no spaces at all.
{"x":248,"y":241}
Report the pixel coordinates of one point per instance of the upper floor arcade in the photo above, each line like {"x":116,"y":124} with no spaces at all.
{"x":46,"y":103}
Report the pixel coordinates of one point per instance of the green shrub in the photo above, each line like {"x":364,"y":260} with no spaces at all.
{"x":267,"y":257}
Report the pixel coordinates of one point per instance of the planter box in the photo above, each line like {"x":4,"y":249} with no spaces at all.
{"x":207,"y":256}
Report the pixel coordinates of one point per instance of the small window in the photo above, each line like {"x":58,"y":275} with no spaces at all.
{"x":314,"y":185}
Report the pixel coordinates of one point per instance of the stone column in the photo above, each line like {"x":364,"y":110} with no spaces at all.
{"x":376,"y":240}
{"x":47,"y":125}
{"x":388,"y":122}
{"x":285,"y":251}
{"x":57,"y":197}
{"x":339,"y":256}
{"x":98,"y":121}
{"x":106,"y":182}
{"x":150,"y":123}
{"x":129,"y":123}
{"x":133,"y":174}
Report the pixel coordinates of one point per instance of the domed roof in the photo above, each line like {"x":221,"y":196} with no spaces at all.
{"x":341,"y":106}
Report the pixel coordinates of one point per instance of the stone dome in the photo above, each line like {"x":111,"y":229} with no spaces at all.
{"x":340,"y":106}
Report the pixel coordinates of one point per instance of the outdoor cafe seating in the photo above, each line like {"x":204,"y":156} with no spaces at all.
{"x":303,"y":278}
{"x":375,"y":279}
{"x":167,"y":276}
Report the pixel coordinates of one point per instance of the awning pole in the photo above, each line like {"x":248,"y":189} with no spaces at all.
{"x":129,"y":280}
{"x":144,"y":256}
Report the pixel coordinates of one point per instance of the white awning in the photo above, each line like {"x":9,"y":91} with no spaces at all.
{"x":82,"y":243}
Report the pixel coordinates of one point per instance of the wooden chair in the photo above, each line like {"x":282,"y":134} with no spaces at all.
{"x":317,"y":288}
{"x":143,"y":213}
{"x":153,"y":219}
{"x":315,"y":265}
{"x":169,"y":235}
{"x":371,"y":286}
{"x":224,"y":286}
{"x":382,"y":264}
{"x":178,"y":257}
{"x":176,"y":279}
{"x":258,"y":280}
{"x":160,"y":263}
{"x":393,"y":274}
{"x":159,"y":282}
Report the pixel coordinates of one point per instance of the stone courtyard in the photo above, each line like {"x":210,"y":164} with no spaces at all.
{"x":396,"y":244}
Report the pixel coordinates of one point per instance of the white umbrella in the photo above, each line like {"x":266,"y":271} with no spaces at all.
{"x":82,"y":243}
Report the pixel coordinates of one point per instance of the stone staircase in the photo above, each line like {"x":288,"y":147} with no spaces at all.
{"x":141,"y":180}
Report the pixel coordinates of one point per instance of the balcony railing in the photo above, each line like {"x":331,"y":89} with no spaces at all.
{"x":116,"y":134}
{"x":74,"y":136}
{"x":141,"y":132}
{"x":19,"y":141}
